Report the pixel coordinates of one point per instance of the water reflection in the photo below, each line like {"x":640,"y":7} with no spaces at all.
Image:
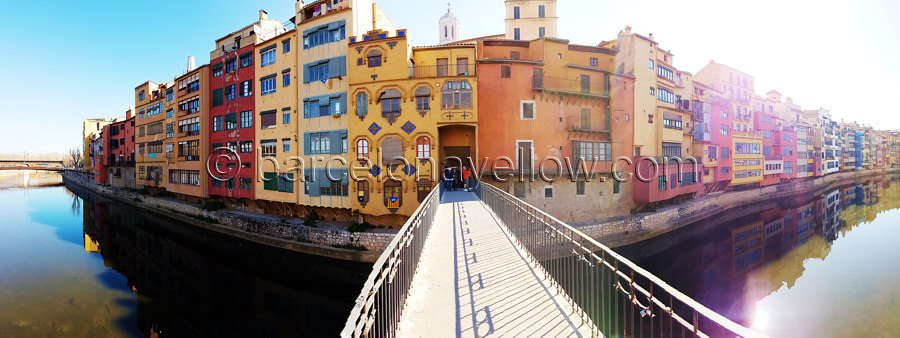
{"x":765,"y":265}
{"x":198,"y":283}
{"x":10,"y":179}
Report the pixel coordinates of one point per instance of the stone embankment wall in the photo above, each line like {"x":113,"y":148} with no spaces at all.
{"x":631,"y":229}
{"x":264,"y":229}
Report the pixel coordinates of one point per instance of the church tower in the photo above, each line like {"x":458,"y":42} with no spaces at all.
{"x":449,"y":27}
{"x":530,"y":19}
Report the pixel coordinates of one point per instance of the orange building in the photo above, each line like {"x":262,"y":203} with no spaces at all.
{"x":150,"y":134}
{"x":188,"y":134}
{"x":549,"y":103}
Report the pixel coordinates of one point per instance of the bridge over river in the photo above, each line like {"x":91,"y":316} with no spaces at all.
{"x":473,"y":264}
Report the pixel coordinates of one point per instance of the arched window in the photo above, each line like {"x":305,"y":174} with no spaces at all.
{"x":362,"y":148}
{"x":390,"y":105}
{"x":393,"y":195}
{"x":391,"y":151}
{"x":374,"y":58}
{"x":362,"y":104}
{"x":423,"y":148}
{"x":423,"y":96}
{"x":456,"y":95}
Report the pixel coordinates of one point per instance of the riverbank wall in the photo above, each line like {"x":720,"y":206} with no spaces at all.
{"x":264,"y":229}
{"x":621,"y":231}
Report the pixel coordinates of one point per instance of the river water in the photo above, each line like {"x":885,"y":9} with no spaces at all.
{"x":80,"y":265}
{"x":823,"y":264}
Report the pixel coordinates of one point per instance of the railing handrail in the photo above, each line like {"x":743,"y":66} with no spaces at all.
{"x":703,"y":310}
{"x":356,"y":323}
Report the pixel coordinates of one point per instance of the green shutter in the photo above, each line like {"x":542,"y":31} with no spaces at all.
{"x":217,"y":97}
{"x":306,"y":147}
{"x":271,"y":181}
{"x":231,"y":117}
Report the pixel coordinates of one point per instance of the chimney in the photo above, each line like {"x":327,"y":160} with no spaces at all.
{"x":650,"y":36}
{"x":263,"y":15}
{"x":627,"y":30}
{"x":190,"y":65}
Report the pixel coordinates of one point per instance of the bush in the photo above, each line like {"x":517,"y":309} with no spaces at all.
{"x":360,"y":227}
{"x":213,"y":206}
{"x":311,"y":219}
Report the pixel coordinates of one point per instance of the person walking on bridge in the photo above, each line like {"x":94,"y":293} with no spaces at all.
{"x":465,"y":177}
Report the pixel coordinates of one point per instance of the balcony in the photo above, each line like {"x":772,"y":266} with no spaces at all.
{"x":575,"y":124}
{"x":577,"y":88}
{"x":422,"y":72}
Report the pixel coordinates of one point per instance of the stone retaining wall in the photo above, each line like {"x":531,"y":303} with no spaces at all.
{"x":264,"y":225}
{"x":622,"y":231}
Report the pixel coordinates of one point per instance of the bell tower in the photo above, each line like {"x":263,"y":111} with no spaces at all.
{"x":449,"y":27}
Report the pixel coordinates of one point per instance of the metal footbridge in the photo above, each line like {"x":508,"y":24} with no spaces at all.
{"x":474,"y":264}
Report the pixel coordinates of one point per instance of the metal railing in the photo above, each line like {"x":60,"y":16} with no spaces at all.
{"x":570,"y":86}
{"x":606,"y":289}
{"x":383,"y":296}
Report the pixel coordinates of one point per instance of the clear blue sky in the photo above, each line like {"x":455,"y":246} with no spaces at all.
{"x":67,"y":61}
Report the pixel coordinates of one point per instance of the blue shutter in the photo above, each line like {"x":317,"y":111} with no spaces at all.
{"x":342,"y":65}
{"x":345,"y":178}
{"x":336,"y":145}
{"x":323,"y":100}
{"x":334,"y":67}
{"x":344,"y":103}
{"x":306,"y":149}
{"x":306,"y":108}
{"x":314,"y":179}
{"x":305,"y":73}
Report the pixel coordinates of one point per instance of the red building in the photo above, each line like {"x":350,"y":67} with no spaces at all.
{"x":773,"y":161}
{"x":118,"y":142}
{"x":712,"y":119}
{"x":670,"y":182}
{"x":787,"y":136}
{"x":231,"y":115}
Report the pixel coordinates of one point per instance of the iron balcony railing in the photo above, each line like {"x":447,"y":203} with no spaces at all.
{"x":582,"y":86}
{"x":378,"y":306}
{"x":608,"y":290}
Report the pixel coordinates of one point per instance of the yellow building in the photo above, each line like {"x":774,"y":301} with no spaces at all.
{"x":150,"y":134}
{"x":322,"y":29}
{"x":277,"y":133}
{"x":530,"y":19}
{"x":662,"y":95}
{"x":427,"y":112}
{"x":90,"y":126}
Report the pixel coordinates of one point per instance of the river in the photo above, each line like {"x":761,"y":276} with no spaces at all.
{"x":820,"y":264}
{"x":73,"y":263}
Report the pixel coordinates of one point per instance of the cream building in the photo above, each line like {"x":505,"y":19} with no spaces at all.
{"x":530,"y":19}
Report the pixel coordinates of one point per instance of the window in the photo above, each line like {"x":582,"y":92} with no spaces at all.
{"x":724,"y":171}
{"x":154,"y":109}
{"x":513,"y":55}
{"x":516,"y":35}
{"x":723,"y":130}
{"x":170,"y":113}
{"x":767,"y":134}
{"x":286,"y":118}
{"x":590,"y":151}
{"x":671,"y":123}
{"x":189,"y":106}
{"x":187,"y":127}
{"x":267,"y":57}
{"x":579,"y":188}
{"x":548,"y":192}
{"x":742,"y":148}
{"x":665,"y":95}
{"x":362,"y":104}
{"x":423,"y":96}
{"x":267,"y":148}
{"x":652,"y":91}
{"x":246,"y":88}
{"x":723,"y":152}
{"x":362,"y":148}
{"x":373,"y":58}
{"x":392,"y":148}
{"x":505,"y":72}
{"x":217,"y":123}
{"x":245,"y":183}
{"x":318,"y":72}
{"x":267,"y":85}
{"x":217,"y":70}
{"x":671,"y":149}
{"x":423,"y":148}
{"x":320,"y":143}
{"x":516,"y":13}
{"x":393,"y":196}
{"x":651,"y":63}
{"x":231,"y":121}
{"x":788,"y":151}
{"x":323,"y":34}
{"x":594,"y":62}
{"x":141,"y":95}
{"x":285,"y":46}
{"x":217,"y":98}
{"x":526,"y":110}
{"x":285,"y":79}
{"x":267,"y":119}
{"x":616,"y":186}
{"x":170,"y":131}
{"x":541,"y":12}
{"x":170,"y":94}
{"x":390,"y":105}
{"x":665,"y":73}
{"x":247,"y":119}
{"x":230,"y":92}
{"x":230,"y":66}
{"x":661,"y":183}
{"x":541,"y":32}
{"x":712,"y":152}
{"x":246,"y":147}
{"x":247,"y":60}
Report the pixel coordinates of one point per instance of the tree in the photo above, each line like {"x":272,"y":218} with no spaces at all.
{"x":76,"y":160}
